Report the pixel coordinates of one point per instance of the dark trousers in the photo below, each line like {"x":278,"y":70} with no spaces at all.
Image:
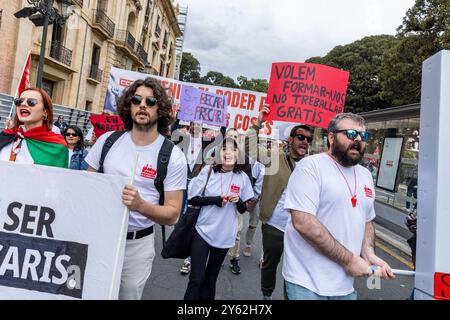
{"x":204,"y":269}
{"x":273,"y":242}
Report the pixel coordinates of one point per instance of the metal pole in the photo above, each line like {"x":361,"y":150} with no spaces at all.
{"x":43,"y":44}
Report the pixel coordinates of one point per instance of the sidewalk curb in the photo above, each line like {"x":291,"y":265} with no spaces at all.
{"x":392,"y":239}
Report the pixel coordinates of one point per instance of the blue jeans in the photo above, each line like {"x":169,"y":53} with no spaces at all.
{"x":296,"y":292}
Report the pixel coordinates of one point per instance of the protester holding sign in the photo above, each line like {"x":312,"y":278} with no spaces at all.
{"x":228,"y":189}
{"x":330,"y":237}
{"x":77,"y":151}
{"x":146,"y":114}
{"x":31,"y":139}
{"x":272,"y":214}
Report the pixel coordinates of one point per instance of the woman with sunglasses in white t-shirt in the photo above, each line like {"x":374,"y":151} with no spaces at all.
{"x":220,"y":189}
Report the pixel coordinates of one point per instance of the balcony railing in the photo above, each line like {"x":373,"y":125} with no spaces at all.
{"x":79,"y":2}
{"x":61,"y":53}
{"x":104,"y":22}
{"x":125,"y":37}
{"x":141,"y":52}
{"x":96,"y":73}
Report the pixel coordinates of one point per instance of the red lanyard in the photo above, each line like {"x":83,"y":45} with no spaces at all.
{"x":221,"y":183}
{"x":353,"y":195}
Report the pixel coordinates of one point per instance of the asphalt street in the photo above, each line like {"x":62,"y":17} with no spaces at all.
{"x":167,"y":283}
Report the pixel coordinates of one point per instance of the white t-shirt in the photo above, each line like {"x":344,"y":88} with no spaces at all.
{"x":195,"y":147}
{"x":89,"y":134}
{"x":280,"y":215}
{"x":218,"y":225}
{"x":120,"y":161}
{"x":70,"y":157}
{"x":317,"y":187}
{"x":23,"y":156}
{"x":56,"y":130}
{"x":258,"y":170}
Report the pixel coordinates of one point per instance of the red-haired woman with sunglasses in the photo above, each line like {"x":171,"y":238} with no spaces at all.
{"x":31,"y":139}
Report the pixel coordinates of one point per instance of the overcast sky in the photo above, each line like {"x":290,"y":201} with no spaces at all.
{"x":243,"y":37}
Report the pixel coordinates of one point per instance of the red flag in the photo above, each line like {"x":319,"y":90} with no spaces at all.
{"x":24,"y":81}
{"x":25,"y":78}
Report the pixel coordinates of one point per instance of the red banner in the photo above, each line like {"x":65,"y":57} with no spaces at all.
{"x":306,"y":93}
{"x":441,"y":286}
{"x":25,"y":78}
{"x":103,"y":123}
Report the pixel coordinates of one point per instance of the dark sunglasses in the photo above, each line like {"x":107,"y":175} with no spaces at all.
{"x":149,"y":101}
{"x":352,"y":134}
{"x":31,"y":102}
{"x":69,"y":134}
{"x":302,"y":138}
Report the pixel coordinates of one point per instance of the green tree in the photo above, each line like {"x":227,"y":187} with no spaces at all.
{"x":424,"y":32}
{"x":189,"y":68}
{"x":363,"y":59}
{"x":259,"y":85}
{"x":216,"y":78}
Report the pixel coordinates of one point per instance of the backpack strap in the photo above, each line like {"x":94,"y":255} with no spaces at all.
{"x":163,"y":163}
{"x":108,"y":144}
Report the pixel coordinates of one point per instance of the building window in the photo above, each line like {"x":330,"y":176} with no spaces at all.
{"x":1,"y":14}
{"x":48,"y":87}
{"x":161,"y":69}
{"x":88,"y":106}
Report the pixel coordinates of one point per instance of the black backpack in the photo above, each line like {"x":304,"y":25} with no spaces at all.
{"x":163,"y":163}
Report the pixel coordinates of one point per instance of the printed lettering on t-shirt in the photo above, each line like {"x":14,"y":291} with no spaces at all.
{"x":148,"y":172}
{"x":235,"y":188}
{"x":368,"y":192}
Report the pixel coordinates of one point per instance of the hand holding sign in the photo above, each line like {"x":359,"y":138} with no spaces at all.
{"x":306,"y":93}
{"x":264,"y":113}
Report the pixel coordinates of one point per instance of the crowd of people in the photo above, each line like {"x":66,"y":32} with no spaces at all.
{"x":316,"y":211}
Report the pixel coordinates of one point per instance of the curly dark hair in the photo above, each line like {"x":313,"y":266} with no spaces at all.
{"x":165,"y":116}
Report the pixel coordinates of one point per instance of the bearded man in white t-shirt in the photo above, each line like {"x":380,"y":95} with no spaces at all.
{"x":145,"y":111}
{"x":330,"y":238}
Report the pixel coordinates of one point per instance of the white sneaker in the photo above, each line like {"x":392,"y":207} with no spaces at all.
{"x":186,"y":268}
{"x":248,"y":251}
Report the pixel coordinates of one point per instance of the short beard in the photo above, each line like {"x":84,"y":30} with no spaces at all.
{"x":341,"y":153}
{"x":144,"y":127}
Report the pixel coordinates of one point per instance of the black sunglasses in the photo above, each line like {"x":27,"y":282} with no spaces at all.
{"x":69,"y":134}
{"x":149,"y":101}
{"x":31,"y":102}
{"x":352,"y":134}
{"x":302,"y":138}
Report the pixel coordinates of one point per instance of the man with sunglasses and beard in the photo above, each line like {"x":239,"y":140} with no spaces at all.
{"x":145,"y":111}
{"x":273,"y":193}
{"x":330,"y":238}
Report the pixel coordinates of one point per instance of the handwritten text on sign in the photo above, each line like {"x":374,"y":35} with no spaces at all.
{"x":201,"y":106}
{"x":307,"y":93}
{"x":104,"y":123}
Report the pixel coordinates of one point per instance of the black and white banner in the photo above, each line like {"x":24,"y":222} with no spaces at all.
{"x":62,"y":233}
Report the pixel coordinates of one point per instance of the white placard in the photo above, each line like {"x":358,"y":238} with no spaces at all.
{"x":62,"y":233}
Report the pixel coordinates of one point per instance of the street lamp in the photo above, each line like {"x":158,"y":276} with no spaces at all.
{"x":43,"y":14}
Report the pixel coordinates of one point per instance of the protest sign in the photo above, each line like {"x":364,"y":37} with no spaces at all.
{"x":306,"y":93}
{"x":103,"y":123}
{"x":60,"y":239}
{"x":202,"y":106}
{"x":243,"y":105}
